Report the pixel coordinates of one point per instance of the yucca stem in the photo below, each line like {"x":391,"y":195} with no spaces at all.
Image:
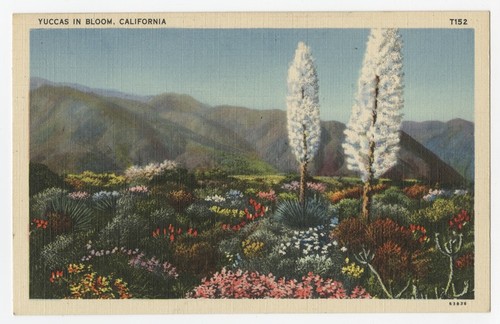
{"x":303,"y":167}
{"x":367,"y":189}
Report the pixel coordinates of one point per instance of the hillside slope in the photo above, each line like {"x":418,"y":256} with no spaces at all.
{"x":451,"y":141}
{"x":72,"y":131}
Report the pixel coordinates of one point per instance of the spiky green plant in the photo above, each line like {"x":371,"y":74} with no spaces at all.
{"x":105,"y":200}
{"x":295,"y":215}
{"x":40,"y":201}
{"x":68,"y":215}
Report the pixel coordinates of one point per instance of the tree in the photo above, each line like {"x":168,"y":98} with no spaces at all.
{"x":372,"y":133}
{"x":304,"y":129}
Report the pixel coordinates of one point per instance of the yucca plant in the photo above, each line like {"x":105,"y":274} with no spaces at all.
{"x":294,"y":214}
{"x":105,"y":200}
{"x":371,"y":136}
{"x":303,"y":123}
{"x":67,"y":215}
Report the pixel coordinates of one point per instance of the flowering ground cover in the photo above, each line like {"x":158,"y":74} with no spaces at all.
{"x":161,"y":231}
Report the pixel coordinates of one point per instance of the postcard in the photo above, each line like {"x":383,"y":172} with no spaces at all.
{"x":305,"y":162}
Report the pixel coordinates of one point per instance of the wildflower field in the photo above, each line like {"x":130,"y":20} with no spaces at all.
{"x":160,"y":232}
{"x":222,"y":227}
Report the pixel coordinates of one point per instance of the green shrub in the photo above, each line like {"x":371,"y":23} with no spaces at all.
{"x":197,"y":258}
{"x":162,"y":217}
{"x":291,"y":177}
{"x":266,"y":230}
{"x":270,"y":262}
{"x":93,"y":182}
{"x":465,"y":202}
{"x":64,"y":249}
{"x":199,"y":214}
{"x":286,"y":196}
{"x":393,"y":196}
{"x":177,"y":178}
{"x":145,"y":206}
{"x":210,"y":174}
{"x":124,"y":230}
{"x":180,"y":199}
{"x":348,"y":208}
{"x":202,"y":193}
{"x":319,"y":265}
{"x":291,"y":253}
{"x":396,"y":212}
{"x":441,"y":209}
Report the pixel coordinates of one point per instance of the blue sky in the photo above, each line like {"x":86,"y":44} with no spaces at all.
{"x":248,"y":67}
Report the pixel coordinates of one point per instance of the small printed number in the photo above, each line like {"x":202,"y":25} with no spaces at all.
{"x":458,"y":21}
{"x":458,"y":303}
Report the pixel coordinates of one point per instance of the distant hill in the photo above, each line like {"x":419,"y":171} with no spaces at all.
{"x":73,"y":130}
{"x":38,"y":82}
{"x":451,"y":141}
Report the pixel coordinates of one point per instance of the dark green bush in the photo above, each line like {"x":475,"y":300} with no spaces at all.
{"x":162,"y":217}
{"x":348,"y":208}
{"x":394,"y":196}
{"x":177,"y":178}
{"x":124,"y":230}
{"x":199,"y":214}
{"x":41,"y":178}
{"x":210,"y":174}
{"x":395,"y":211}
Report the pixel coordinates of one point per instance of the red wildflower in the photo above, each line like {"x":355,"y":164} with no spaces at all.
{"x":459,"y":221}
{"x":271,"y":195}
{"x":55,"y":275}
{"x":40,"y":223}
{"x":360,"y":293}
{"x":239,"y":284}
{"x":193,"y":232}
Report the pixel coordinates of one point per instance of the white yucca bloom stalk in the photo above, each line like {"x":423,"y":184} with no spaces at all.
{"x":303,"y":105}
{"x":304,"y":129}
{"x":372,"y":133}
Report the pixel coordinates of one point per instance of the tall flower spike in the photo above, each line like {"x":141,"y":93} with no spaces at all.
{"x":304,"y":129}
{"x":377,"y":118}
{"x":372,"y":133}
{"x":303,"y":105}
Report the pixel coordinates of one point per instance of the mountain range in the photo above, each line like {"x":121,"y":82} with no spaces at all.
{"x":75,"y":128}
